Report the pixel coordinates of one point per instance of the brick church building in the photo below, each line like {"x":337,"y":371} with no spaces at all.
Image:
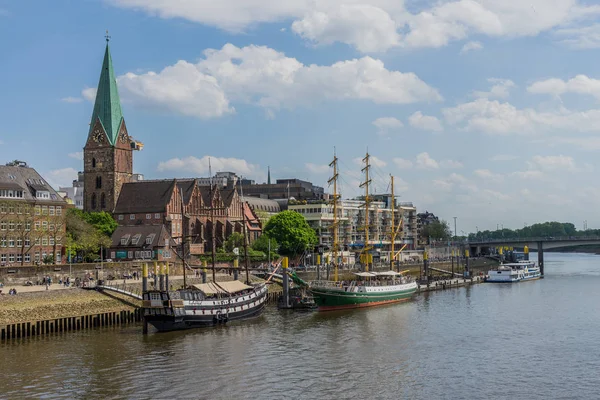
{"x":185,"y":209}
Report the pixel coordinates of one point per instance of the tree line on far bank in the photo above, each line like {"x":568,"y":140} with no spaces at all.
{"x":545,"y":229}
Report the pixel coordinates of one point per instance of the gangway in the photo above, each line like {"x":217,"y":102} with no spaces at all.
{"x":125,"y":290}
{"x":444,"y":271}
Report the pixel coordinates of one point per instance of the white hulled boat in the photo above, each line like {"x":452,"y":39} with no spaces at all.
{"x":514,"y":272}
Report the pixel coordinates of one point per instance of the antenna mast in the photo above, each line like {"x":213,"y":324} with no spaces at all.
{"x":365,"y":184}
{"x":334,"y":225}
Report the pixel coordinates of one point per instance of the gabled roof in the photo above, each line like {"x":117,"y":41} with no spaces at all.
{"x":145,"y":196}
{"x":22,"y":177}
{"x":107,"y":107}
{"x":187,"y":188}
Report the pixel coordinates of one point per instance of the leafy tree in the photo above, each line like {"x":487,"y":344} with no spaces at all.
{"x":262,"y":244}
{"x":236,"y":239}
{"x":84,"y":237}
{"x":437,"y":230}
{"x":102,"y":221}
{"x":291,"y":231}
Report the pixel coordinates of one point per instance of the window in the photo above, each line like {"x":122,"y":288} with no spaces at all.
{"x":3,"y":209}
{"x":51,"y":243}
{"x":57,"y":258}
{"x":166,"y":254}
{"x":19,"y":209}
{"x":94,"y":201}
{"x":156,"y":216}
{"x":27,"y":226}
{"x":45,"y":241}
{"x":44,"y":210}
{"x":93,"y":163}
{"x":11,"y":242}
{"x":137,"y":254}
{"x":27,"y":242}
{"x":131,"y":216}
{"x":45,"y":225}
{"x":51,"y":210}
{"x":37,"y":256}
{"x":11,"y":209}
{"x":11,"y":257}
{"x":136,"y":238}
{"x":3,"y":226}
{"x":58,"y":239}
{"x":37,"y":240}
{"x":58,"y":210}
{"x":98,"y":182}
{"x":37,"y":210}
{"x":150,"y":238}
{"x":19,"y":242}
{"x":37,"y":225}
{"x":3,"y":258}
{"x":124,"y":240}
{"x":3,"y":243}
{"x":19,"y":257}
{"x":27,"y":258}
{"x":11,"y":226}
{"x":130,"y":254}
{"x":51,"y":227}
{"x":102,"y":201}
{"x":42,"y":194}
{"x":120,"y":217}
{"x":148,"y":216}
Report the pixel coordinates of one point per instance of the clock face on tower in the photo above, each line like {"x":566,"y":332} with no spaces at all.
{"x":98,"y":136}
{"x":123,"y":136}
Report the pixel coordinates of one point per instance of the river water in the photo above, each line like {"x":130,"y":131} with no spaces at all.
{"x":531,"y":340}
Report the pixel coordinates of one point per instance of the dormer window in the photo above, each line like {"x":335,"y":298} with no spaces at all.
{"x":42,"y":194}
{"x":136,"y":239}
{"x":150,"y":238}
{"x":124,"y":240}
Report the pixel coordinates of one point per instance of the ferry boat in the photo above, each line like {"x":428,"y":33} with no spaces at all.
{"x":514,"y":272}
{"x":203,"y":305}
{"x":370,"y":289}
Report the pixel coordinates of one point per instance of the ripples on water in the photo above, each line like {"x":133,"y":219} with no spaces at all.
{"x":525,"y":341}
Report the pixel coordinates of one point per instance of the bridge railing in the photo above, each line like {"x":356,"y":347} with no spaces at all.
{"x":536,"y":239}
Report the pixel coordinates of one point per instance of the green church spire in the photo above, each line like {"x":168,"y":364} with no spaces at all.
{"x":107,"y":107}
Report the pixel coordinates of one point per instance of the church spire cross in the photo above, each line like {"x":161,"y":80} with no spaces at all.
{"x":107,"y":37}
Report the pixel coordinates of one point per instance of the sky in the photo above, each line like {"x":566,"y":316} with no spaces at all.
{"x":483,"y":110}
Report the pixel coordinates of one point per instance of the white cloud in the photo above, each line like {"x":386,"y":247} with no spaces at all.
{"x":262,"y":76}
{"x":89,"y":94}
{"x":387,"y":124}
{"x":553,"y":163}
{"x":71,"y":99}
{"x":493,"y":117}
{"x":317,"y":169}
{"x":376,"y":25}
{"x":374,"y":161}
{"x":364,"y":26}
{"x":180,"y":88}
{"x":586,"y":37}
{"x":500,"y":89}
{"x":78,"y":155}
{"x":425,"y":122}
{"x":471,"y":46}
{"x":200,"y":166}
{"x":487,"y":174}
{"x":530,"y":174}
{"x":426,"y":162}
{"x":402,"y":163}
{"x":451,"y":164}
{"x":60,"y":177}
{"x":580,"y":84}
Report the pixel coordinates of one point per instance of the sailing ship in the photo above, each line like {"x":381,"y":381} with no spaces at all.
{"x":368,"y":288}
{"x":205,"y":304}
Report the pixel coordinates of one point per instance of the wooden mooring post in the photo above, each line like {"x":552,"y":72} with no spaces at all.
{"x":68,"y":324}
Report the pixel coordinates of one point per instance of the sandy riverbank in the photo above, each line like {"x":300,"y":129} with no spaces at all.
{"x":42,"y":305}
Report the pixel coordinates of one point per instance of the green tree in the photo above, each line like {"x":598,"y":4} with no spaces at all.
{"x":83,"y":237}
{"x":262,"y":244}
{"x":438,"y":230}
{"x":102,"y":221}
{"x":234,"y":240}
{"x":292,"y":232}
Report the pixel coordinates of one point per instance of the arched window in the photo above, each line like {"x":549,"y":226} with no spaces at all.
{"x":93,"y":201}
{"x":102,"y":201}
{"x":98,"y":182}
{"x":93,"y":163}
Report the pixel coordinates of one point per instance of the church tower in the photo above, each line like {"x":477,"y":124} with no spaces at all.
{"x":108,"y":152}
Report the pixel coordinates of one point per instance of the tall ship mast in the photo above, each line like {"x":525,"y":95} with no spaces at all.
{"x":367,"y":289}
{"x":394,"y":229}
{"x":334,"y":225}
{"x":366,"y":184}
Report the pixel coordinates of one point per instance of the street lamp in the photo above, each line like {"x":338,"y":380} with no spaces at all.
{"x":454,"y":228}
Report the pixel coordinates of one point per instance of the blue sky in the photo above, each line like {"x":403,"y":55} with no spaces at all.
{"x":481,"y":109}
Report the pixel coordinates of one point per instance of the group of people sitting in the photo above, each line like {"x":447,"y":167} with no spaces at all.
{"x":11,"y":292}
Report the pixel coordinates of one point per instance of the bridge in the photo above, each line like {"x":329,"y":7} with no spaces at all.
{"x":533,"y":243}
{"x":121,"y":289}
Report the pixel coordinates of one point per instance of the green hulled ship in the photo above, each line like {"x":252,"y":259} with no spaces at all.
{"x":375,"y":289}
